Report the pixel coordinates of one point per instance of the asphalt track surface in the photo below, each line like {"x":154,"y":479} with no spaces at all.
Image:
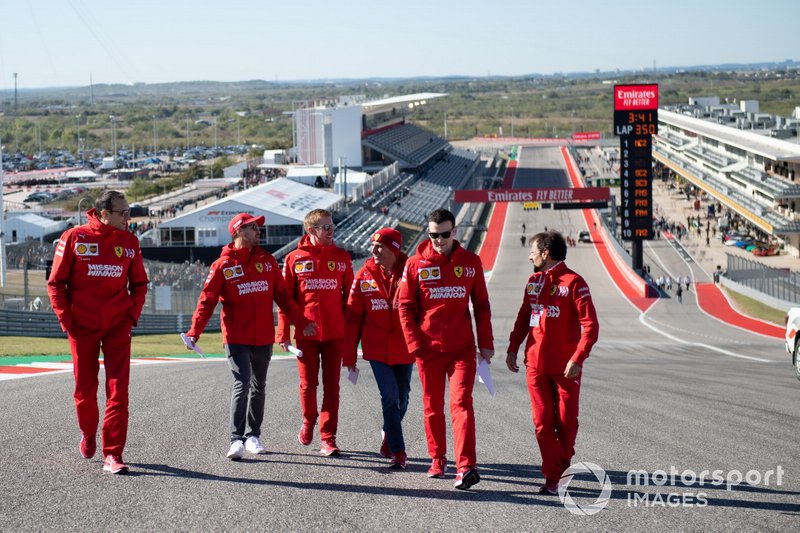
{"x":670,"y":389}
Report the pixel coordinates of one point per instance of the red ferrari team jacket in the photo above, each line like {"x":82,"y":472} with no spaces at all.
{"x":246,"y":282}
{"x":557,"y":320}
{"x":434,"y":296}
{"x":318,"y":279}
{"x":98,"y":276}
{"x":372,"y":316}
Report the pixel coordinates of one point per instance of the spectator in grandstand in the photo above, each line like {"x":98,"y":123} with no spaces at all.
{"x":97,"y":289}
{"x":247,"y":280}
{"x":372,"y":318}
{"x":318,"y":275}
{"x":558,"y":323}
{"x":434,"y":296}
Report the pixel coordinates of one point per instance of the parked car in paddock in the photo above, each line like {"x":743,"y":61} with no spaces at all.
{"x":766,"y":251}
{"x":791,"y":337}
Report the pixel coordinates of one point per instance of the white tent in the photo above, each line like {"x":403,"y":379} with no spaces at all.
{"x":22,"y":227}
{"x":284,"y":204}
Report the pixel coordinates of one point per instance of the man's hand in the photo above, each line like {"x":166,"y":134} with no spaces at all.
{"x":310,"y":330}
{"x":352,"y":368}
{"x":193,"y":340}
{"x":573,"y":370}
{"x":511,"y":362}
{"x":487,"y":354}
{"x":284,"y":346}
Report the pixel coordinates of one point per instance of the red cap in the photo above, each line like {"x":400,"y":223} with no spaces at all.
{"x":390,"y":237}
{"x":241,"y":219}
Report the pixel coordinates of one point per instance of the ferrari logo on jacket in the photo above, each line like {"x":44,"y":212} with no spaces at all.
{"x":87,"y":249}
{"x":458,"y":271}
{"x":331,"y":265}
{"x":233,"y":272}
{"x":260,"y":267}
{"x":118,"y":250}
{"x":430,"y":273}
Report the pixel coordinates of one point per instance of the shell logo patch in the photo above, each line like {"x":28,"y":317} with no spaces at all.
{"x":430,"y":273}
{"x":458,"y":271}
{"x":118,"y":250}
{"x":259,"y":267}
{"x":533,"y":288}
{"x":369,"y":285}
{"x":233,"y":272}
{"x":304,"y":266}
{"x":87,"y":249}
{"x":331,"y":265}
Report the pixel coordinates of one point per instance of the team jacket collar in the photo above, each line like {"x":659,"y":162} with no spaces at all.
{"x":378,"y":274}
{"x":426,"y":251}
{"x":97,"y":226}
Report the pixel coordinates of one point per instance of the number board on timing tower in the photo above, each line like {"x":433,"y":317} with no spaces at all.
{"x":635,"y":122}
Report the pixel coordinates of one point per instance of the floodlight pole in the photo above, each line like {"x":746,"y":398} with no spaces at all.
{"x":2,"y":224}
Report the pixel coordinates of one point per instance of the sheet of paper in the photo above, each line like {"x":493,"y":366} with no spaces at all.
{"x":485,"y":376}
{"x":192,"y":346}
{"x":295,"y":351}
{"x":353,"y":376}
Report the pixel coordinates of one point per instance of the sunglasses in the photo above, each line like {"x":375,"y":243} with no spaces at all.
{"x":443,"y":235}
{"x":326,"y":227}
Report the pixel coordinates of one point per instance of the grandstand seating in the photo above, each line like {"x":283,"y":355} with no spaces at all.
{"x":407,"y":143}
{"x":354,"y":232}
{"x":434,"y":187}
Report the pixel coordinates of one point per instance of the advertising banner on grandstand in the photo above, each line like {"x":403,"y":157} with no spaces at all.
{"x":586,"y":136}
{"x":533,"y":195}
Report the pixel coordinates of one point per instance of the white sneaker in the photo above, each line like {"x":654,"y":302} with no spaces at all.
{"x":253,"y":445}
{"x":236,"y":450}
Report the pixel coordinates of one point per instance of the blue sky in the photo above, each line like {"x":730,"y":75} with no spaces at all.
{"x":60,"y":42}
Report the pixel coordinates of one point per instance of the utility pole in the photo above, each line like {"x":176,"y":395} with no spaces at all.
{"x":15,"y":94}
{"x":2,"y":223}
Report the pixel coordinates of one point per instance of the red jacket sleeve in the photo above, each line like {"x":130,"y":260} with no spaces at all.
{"x":521,"y":326}
{"x":347,"y":280}
{"x":353,"y":322}
{"x":408,"y":299}
{"x":283,"y":334}
{"x":483,"y":310}
{"x":137,"y":285}
{"x":587,"y":316}
{"x":207,"y":301}
{"x":286,"y":303}
{"x":59,"y":280}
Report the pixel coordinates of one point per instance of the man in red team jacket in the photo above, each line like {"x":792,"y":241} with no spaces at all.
{"x":558,"y":323}
{"x":247,"y":280}
{"x":97,"y":289}
{"x":434,"y":296}
{"x":372,"y":317}
{"x":318,"y":276}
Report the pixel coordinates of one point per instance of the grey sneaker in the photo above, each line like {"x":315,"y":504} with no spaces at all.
{"x":253,"y":445}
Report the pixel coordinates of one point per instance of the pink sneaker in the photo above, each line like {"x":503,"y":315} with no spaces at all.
{"x":88,"y":446}
{"x":329,"y":448}
{"x":438,"y":467}
{"x":114,"y":464}
{"x":306,"y":434}
{"x":385,"y":450}
{"x":398,"y":461}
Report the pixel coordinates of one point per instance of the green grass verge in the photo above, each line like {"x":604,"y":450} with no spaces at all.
{"x":141,"y":345}
{"x":755,"y":309}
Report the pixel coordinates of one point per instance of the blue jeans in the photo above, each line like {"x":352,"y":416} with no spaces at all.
{"x":394,"y":384}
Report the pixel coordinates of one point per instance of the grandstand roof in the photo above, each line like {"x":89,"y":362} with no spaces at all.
{"x":774,"y":149}
{"x":394,"y":101}
{"x":281,"y":201}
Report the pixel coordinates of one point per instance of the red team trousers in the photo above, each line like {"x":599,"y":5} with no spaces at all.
{"x":554,"y":402}
{"x":116,"y":345}
{"x":435,"y":369}
{"x":329,"y":354}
